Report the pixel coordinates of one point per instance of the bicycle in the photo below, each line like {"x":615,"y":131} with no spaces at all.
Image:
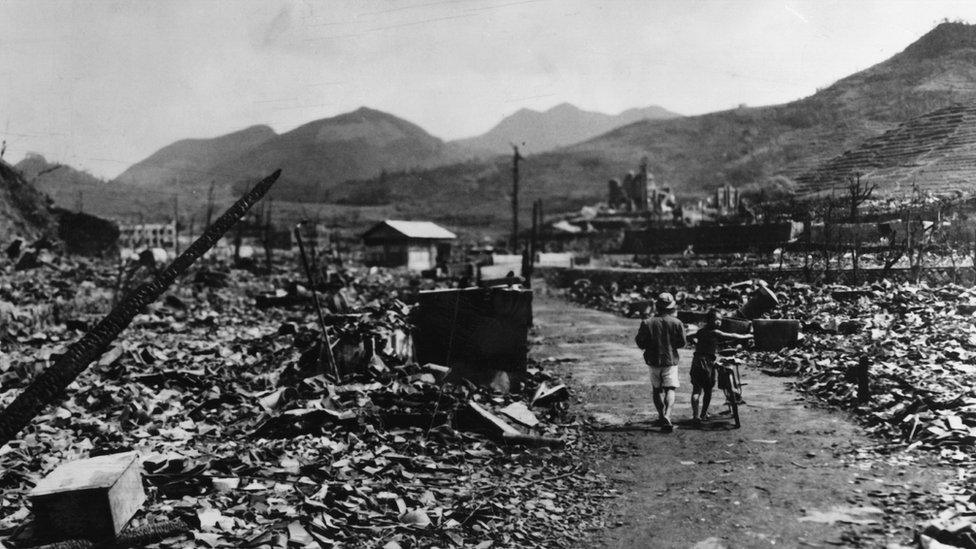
{"x":730,"y":382}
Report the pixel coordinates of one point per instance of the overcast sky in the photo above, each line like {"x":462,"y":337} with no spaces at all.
{"x":102,"y":84}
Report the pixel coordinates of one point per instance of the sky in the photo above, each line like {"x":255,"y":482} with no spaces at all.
{"x":102,"y":84}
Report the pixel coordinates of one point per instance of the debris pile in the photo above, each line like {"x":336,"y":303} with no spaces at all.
{"x":901,"y":356}
{"x":246,"y":438}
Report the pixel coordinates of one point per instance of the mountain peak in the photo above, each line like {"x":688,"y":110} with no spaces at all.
{"x":558,"y":126}
{"x":564,"y":108}
{"x":366,"y":111}
{"x":944,"y":38}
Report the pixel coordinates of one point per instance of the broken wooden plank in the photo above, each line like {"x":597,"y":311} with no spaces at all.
{"x":532,"y":440}
{"x":520,"y":413}
{"x":91,"y":498}
{"x":547,"y":396}
{"x":481,"y":420}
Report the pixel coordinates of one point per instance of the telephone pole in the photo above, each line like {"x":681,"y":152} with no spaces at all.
{"x":176,"y":224}
{"x":210,"y":203}
{"x":516,"y":158}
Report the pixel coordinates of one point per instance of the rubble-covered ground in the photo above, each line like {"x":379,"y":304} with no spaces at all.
{"x":247,"y":440}
{"x":920,"y":344}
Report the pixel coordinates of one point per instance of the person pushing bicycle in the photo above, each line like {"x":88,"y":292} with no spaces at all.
{"x":703,"y":367}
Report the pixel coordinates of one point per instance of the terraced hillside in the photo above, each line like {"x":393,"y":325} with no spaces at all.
{"x":936,"y":151}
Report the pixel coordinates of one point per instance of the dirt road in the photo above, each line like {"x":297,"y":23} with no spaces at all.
{"x":782,"y":480}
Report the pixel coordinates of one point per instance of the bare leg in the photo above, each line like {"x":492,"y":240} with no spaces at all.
{"x":706,"y":400}
{"x":695,"y":397}
{"x":668,"y":403}
{"x":658,"y":403}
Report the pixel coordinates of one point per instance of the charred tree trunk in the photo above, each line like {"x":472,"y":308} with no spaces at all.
{"x":52,"y":383}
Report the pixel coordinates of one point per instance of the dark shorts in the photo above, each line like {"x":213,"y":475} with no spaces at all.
{"x":703,"y":372}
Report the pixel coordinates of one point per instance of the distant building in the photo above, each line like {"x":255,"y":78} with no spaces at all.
{"x":727,"y":199}
{"x":148,"y":235}
{"x":416,"y":245}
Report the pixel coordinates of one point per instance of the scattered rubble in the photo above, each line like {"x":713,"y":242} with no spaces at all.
{"x":246,"y":439}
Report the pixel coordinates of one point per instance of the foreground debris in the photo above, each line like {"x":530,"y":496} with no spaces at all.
{"x":246,"y":438}
{"x":54,"y":380}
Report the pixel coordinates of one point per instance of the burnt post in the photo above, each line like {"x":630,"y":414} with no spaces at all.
{"x":863,"y":380}
{"x":326,"y":343}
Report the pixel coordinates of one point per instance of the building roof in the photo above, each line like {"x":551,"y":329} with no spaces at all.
{"x":425,"y":230}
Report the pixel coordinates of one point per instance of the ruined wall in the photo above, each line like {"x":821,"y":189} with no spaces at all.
{"x":629,"y":278}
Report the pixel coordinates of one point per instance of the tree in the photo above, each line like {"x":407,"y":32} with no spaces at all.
{"x":857,"y":193}
{"x":826,"y":210}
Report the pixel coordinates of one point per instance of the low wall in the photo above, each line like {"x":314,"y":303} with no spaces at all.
{"x":627,"y":278}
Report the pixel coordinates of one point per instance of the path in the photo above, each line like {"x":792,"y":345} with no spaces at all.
{"x":719,"y":487}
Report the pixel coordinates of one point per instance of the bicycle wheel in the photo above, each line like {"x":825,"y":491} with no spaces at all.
{"x":731,"y":398}
{"x":733,"y":405}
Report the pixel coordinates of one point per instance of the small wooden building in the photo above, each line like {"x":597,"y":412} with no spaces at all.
{"x":415,"y":245}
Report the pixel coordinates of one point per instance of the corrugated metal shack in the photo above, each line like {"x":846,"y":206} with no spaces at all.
{"x":416,"y":245}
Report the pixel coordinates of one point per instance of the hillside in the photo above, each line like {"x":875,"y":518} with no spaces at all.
{"x":562,"y":125}
{"x":23,"y":210}
{"x":313,"y":157}
{"x":75,"y":190}
{"x":697,"y":153}
{"x":935,"y":151}
{"x":192,"y":159}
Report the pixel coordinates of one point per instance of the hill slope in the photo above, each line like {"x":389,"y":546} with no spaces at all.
{"x":559,"y":126}
{"x":23,"y":210}
{"x":936,"y":151}
{"x":76,"y":190}
{"x":698,"y":153}
{"x":313,"y":157}
{"x":192,"y":159}
{"x":321,"y":154}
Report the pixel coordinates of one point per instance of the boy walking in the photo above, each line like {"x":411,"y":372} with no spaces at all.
{"x":660,"y":337}
{"x":703,"y":369}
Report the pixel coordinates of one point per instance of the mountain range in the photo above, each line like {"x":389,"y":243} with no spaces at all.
{"x":371,"y":158}
{"x":695,"y":154}
{"x":362,"y":144}
{"x":565,"y":124}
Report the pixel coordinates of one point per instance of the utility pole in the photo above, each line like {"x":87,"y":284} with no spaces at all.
{"x":176,"y":224}
{"x":210,"y":202}
{"x":533,"y":242}
{"x":516,"y":158}
{"x":542,"y":220}
{"x":268,"y":253}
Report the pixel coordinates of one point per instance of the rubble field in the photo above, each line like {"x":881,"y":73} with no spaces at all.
{"x":247,"y":442}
